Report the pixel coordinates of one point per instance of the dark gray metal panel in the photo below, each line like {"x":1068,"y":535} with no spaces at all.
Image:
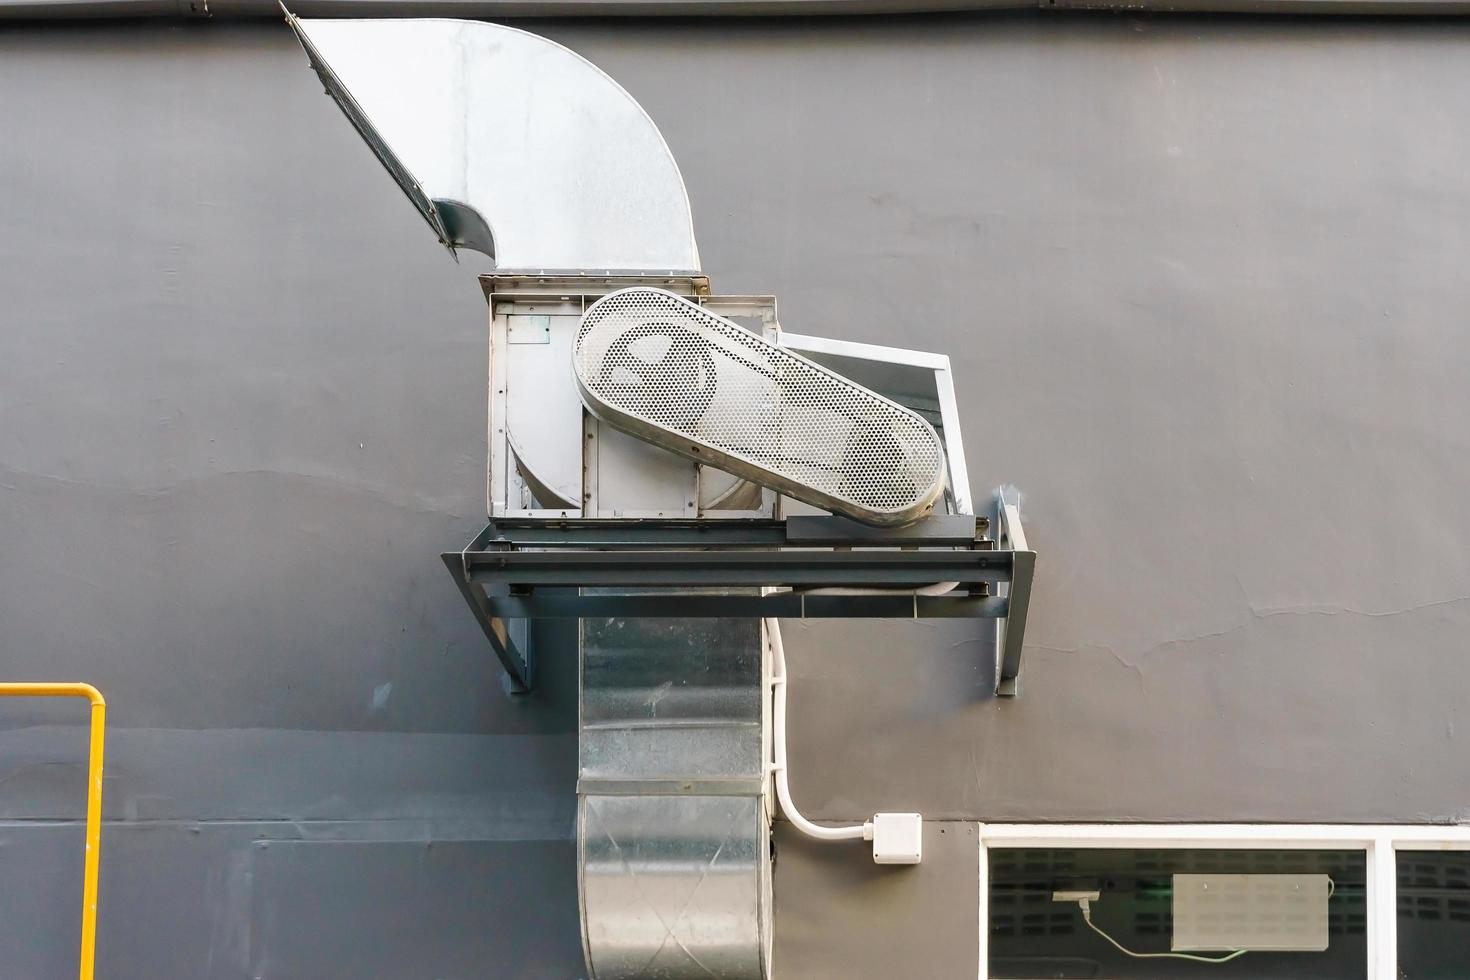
{"x":240,"y":901}
{"x":40,"y":895}
{"x":839,"y":915}
{"x":175,"y":900}
{"x":428,"y":910}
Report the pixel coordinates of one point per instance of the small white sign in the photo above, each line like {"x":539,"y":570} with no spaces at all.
{"x":1282,"y":913}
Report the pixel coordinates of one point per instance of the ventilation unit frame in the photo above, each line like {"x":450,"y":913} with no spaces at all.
{"x":536,"y":562}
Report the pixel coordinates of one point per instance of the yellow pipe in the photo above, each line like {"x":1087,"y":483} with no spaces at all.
{"x":94,"y":801}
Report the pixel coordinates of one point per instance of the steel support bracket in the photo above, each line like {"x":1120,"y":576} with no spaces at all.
{"x":509,"y":638}
{"x":522,"y":569}
{"x":1011,"y":631}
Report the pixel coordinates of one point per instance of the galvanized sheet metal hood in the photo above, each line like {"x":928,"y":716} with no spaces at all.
{"x":509,"y":144}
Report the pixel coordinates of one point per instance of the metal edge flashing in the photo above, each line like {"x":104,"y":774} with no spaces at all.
{"x":39,"y":10}
{"x":345,"y":101}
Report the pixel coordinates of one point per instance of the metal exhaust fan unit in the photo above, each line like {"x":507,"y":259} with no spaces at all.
{"x":672,"y":470}
{"x":673,"y":374}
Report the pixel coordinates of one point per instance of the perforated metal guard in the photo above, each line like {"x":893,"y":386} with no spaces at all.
{"x":671,"y":373}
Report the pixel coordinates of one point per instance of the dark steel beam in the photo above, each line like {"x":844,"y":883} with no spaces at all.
{"x":517,"y":570}
{"x":514,"y":656}
{"x":778,"y":605}
{"x":580,"y":533}
{"x":959,"y":530}
{"x":948,"y":530}
{"x":608,"y":569}
{"x":1013,"y":629}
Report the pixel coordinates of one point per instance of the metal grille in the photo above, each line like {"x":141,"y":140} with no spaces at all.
{"x":676,"y":375}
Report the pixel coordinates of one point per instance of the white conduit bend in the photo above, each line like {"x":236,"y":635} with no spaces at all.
{"x":862,"y":831}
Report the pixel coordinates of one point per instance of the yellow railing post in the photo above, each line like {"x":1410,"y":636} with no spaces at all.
{"x":94,"y":802}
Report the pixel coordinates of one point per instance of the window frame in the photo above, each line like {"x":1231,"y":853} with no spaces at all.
{"x":1380,"y":844}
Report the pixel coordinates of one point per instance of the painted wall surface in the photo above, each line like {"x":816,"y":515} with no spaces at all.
{"x":1204,"y":284}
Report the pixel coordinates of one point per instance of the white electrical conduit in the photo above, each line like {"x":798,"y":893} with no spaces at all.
{"x":862,"y":831}
{"x":778,"y":682}
{"x":778,"y":739}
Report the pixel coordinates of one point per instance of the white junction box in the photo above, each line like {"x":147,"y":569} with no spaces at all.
{"x":898,"y":838}
{"x":1269,"y":912}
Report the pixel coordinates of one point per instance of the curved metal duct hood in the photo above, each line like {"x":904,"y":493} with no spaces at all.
{"x":509,"y":144}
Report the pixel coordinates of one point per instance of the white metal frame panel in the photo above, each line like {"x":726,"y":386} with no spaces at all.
{"x":949,"y":412}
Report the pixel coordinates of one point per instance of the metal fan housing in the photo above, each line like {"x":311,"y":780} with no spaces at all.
{"x":671,"y":373}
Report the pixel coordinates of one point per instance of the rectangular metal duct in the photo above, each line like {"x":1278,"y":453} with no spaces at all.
{"x":672,"y":831}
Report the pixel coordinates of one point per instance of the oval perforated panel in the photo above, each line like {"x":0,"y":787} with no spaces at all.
{"x":674,"y":374}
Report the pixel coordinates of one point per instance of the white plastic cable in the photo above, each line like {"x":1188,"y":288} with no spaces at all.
{"x":1085,"y":905}
{"x":778,"y":739}
{"x":1212,"y":960}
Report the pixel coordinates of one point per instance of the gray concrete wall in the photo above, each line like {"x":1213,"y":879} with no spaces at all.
{"x":1204,"y":286}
